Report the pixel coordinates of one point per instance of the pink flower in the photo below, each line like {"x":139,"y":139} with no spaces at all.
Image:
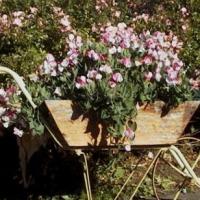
{"x":17,"y":22}
{"x":148,"y":76}
{"x":65,"y":21}
{"x":112,"y":84}
{"x":93,"y":55}
{"x":126,"y":62}
{"x":129,"y":133}
{"x":147,"y":60}
{"x":92,"y":74}
{"x":18,"y":132}
{"x":128,"y":147}
{"x":117,"y":77}
{"x":81,"y":82}
{"x":184,"y":11}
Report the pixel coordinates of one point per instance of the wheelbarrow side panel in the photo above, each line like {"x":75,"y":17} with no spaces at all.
{"x":79,"y":131}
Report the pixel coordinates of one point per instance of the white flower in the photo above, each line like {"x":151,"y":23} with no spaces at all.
{"x":64,"y":63}
{"x":71,"y":36}
{"x":2,"y":111}
{"x":137,"y":63}
{"x":98,"y":76}
{"x":18,"y":132}
{"x":105,"y":68}
{"x":128,"y":147}
{"x":50,"y":57}
{"x":2,"y":93}
{"x":150,"y":155}
{"x":57,"y":91}
{"x":121,"y":26}
{"x":112,"y":50}
{"x":158,"y":77}
{"x":5,"y":124}
{"x":65,"y":21}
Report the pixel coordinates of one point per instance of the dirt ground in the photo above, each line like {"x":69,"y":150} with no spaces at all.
{"x":55,"y":174}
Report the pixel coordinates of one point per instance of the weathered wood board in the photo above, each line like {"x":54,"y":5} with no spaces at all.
{"x":75,"y":130}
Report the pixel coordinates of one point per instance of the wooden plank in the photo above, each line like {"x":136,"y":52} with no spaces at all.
{"x":76,"y":130}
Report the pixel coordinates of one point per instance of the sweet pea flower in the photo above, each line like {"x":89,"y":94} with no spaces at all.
{"x":92,"y":74}
{"x":158,"y":76}
{"x":137,"y":63}
{"x":117,"y":77}
{"x":129,"y":133}
{"x":17,"y":22}
{"x":98,"y":76}
{"x":126,"y":61}
{"x":33,"y":10}
{"x":105,"y":68}
{"x":93,"y":55}
{"x":57,"y":91}
{"x":2,"y":111}
{"x":112,"y":50}
{"x":112,"y":83}
{"x":148,"y":76}
{"x":80,"y":82}
{"x":147,"y":60}
{"x":128,"y":147}
{"x":18,"y":132}
{"x":65,"y":21}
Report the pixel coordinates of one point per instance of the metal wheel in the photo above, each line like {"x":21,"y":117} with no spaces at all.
{"x":168,"y":175}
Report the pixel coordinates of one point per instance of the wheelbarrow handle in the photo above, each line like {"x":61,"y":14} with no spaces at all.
{"x":19,"y":82}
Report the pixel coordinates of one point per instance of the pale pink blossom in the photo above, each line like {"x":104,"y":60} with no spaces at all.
{"x":105,"y":68}
{"x":81,"y":82}
{"x":92,"y":74}
{"x":117,"y":77}
{"x":93,"y":55}
{"x":112,"y":84}
{"x":18,"y":132}
{"x":148,"y":76}
{"x":126,"y":62}
{"x":65,"y":21}
{"x":33,"y":10}
{"x":112,"y":50}
{"x":129,"y":133}
{"x":128,"y":147}
{"x":17,"y":22}
{"x":147,"y":60}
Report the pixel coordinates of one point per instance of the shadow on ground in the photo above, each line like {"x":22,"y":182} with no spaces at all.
{"x":51,"y":172}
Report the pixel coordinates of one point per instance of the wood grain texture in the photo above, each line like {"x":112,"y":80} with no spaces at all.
{"x":76,"y":130}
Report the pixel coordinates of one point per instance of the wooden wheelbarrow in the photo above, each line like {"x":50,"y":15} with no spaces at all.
{"x":73,"y":130}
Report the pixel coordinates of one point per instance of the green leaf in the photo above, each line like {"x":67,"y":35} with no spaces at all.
{"x":119,"y":173}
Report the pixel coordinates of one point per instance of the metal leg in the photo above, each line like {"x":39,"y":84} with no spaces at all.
{"x":86,"y":174}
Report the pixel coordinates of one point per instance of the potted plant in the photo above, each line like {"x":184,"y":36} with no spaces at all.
{"x":117,"y":73}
